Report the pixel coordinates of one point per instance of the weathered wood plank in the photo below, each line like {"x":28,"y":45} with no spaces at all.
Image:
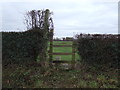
{"x":62,"y":40}
{"x":62,"y":45}
{"x":62,"y":53}
{"x":61,"y":61}
{"x":51,"y":47}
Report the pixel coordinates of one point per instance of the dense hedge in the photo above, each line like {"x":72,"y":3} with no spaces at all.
{"x":97,"y":49}
{"x":22,"y":46}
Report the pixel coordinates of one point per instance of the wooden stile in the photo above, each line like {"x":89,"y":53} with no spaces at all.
{"x":51,"y":53}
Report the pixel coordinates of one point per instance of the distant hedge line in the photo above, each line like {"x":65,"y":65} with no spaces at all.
{"x":99,"y":49}
{"x":22,"y":46}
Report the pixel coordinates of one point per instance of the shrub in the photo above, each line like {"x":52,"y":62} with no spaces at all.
{"x":22,"y":46}
{"x":99,"y":50}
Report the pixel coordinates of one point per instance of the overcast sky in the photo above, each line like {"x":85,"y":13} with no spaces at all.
{"x":70,"y":16}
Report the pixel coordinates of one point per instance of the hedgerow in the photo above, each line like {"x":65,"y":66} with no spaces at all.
{"x":23,"y":46}
{"x":99,"y":49}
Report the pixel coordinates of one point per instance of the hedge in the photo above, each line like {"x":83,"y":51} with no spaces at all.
{"x":99,"y":49}
{"x":23,"y":46}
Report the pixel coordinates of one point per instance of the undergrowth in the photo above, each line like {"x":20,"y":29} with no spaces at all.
{"x":22,"y":76}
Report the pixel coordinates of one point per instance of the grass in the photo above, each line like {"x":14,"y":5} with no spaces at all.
{"x":62,"y":42}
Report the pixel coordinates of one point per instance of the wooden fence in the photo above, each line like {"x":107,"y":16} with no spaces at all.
{"x":51,"y":53}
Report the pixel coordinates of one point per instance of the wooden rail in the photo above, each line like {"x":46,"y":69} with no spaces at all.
{"x":62,"y":53}
{"x":63,"y":40}
{"x":62,"y":45}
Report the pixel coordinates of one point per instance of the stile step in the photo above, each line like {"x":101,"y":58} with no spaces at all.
{"x":60,"y":61}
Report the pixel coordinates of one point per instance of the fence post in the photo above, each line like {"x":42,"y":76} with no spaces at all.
{"x":51,"y":47}
{"x":73,"y":54}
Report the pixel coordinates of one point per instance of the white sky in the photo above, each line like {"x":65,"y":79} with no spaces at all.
{"x":70,"y":16}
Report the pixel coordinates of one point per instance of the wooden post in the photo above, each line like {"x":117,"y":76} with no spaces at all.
{"x":51,"y":47}
{"x":45,"y":34}
{"x":73,"y":55}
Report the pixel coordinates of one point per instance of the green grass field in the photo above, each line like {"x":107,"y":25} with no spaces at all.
{"x":64,"y":50}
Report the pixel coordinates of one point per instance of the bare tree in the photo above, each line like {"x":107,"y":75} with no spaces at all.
{"x":38,"y":19}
